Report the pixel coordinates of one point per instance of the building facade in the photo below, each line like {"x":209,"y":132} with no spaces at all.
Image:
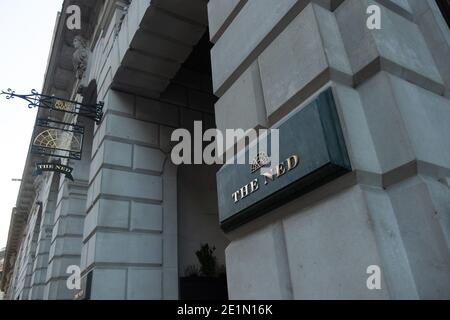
{"x":132,"y":220}
{"x":2,"y":259}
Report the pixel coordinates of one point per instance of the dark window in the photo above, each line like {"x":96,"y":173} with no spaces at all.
{"x":444,"y":5}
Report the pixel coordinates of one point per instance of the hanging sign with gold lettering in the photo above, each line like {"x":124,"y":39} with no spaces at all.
{"x":312,"y":152}
{"x":57,"y":139}
{"x":54,"y":167}
{"x":52,"y":103}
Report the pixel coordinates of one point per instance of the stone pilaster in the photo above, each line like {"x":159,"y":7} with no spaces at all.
{"x":66,"y":240}
{"x":130,"y":232}
{"x":391,"y":89}
{"x":43,"y":243}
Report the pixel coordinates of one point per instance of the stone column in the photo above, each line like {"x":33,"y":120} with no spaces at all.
{"x":393,"y":209}
{"x":24,"y":268}
{"x":44,"y":240}
{"x":130,"y":232}
{"x":65,"y":246}
{"x":66,"y":241}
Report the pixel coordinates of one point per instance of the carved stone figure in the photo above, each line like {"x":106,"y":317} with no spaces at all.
{"x":80,"y":56}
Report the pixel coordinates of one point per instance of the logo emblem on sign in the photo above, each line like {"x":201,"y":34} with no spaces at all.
{"x":261,"y":160}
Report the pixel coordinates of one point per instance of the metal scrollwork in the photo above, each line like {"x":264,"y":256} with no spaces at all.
{"x":35,"y":99}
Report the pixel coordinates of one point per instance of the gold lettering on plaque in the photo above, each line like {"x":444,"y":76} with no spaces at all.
{"x":277,"y":172}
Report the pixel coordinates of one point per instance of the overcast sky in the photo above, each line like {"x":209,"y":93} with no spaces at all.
{"x":27,"y":28}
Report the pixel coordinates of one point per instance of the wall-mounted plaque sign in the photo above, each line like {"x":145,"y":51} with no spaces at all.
{"x":312,"y":152}
{"x":54,"y":167}
{"x":57,"y":139}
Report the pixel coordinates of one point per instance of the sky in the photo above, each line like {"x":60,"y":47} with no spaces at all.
{"x":27,"y":29}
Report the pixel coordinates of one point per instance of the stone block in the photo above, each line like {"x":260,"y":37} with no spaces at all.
{"x":435,"y":32}
{"x":120,"y":102}
{"x":330,"y":245}
{"x":175,"y":94}
{"x":146,"y":217}
{"x":195,"y":10}
{"x":242,"y":106}
{"x":150,"y":64}
{"x":257,"y":17}
{"x":196,"y":80}
{"x":139,"y":82}
{"x":37,"y":292}
{"x":74,"y":206}
{"x":127,"y":248}
{"x":422,"y":237}
{"x":109,"y":284}
{"x":43,"y":246}
{"x":201,"y":101}
{"x":94,"y":190}
{"x":171,"y":283}
{"x":41,"y":261}
{"x":65,"y":246}
{"x":418,"y":117}
{"x":399,"y":44}
{"x":188,"y":117}
{"x":57,"y":290}
{"x":111,"y":153}
{"x":39,"y":276}
{"x":171,"y":26}
{"x":70,"y":225}
{"x":99,"y":135}
{"x":219,"y":12}
{"x":117,"y":153}
{"x":304,"y":56}
{"x":107,"y":214}
{"x":250,"y":259}
{"x":160,"y":46}
{"x":58,"y":266}
{"x":144,"y":284}
{"x":83,"y":257}
{"x":404,"y":4}
{"x":388,"y":131}
{"x":262,"y":20}
{"x":395,"y":268}
{"x":133,"y":185}
{"x":426,"y":117}
{"x":360,"y":145}
{"x":157,"y":111}
{"x":165,"y":142}
{"x":440,"y":196}
{"x":131,"y":129}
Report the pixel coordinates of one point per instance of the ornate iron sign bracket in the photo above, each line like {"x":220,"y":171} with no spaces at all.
{"x":57,"y":139}
{"x":35,"y":99}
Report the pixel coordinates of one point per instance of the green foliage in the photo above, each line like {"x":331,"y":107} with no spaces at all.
{"x":192,"y":271}
{"x":208,"y":262}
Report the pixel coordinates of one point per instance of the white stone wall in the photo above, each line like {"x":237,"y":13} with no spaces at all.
{"x":48,"y":199}
{"x":24,"y":269}
{"x":129,"y":216}
{"x":391,"y":90}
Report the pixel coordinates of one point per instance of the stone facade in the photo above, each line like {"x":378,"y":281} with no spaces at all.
{"x":393,"y":105}
{"x":131,"y":220}
{"x":2,"y":260}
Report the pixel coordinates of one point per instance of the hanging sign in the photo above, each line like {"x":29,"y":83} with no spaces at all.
{"x":57,"y":139}
{"x":35,"y":99}
{"x":54,"y":167}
